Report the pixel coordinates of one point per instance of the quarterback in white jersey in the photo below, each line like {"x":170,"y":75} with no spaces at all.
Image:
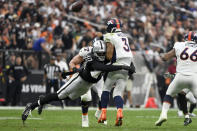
{"x":186,"y":54}
{"x":122,"y":52}
{"x":119,"y":53}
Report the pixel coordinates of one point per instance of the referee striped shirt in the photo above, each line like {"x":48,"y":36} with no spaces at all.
{"x":52,"y":71}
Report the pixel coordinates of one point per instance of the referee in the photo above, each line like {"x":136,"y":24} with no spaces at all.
{"x":52,"y":73}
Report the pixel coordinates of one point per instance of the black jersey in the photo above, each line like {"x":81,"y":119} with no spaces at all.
{"x":93,"y":64}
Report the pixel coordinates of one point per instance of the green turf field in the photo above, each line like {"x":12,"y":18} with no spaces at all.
{"x":70,"y":120}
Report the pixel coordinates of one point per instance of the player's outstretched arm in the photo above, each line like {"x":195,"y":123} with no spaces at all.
{"x":75,"y":61}
{"x":109,"y":68}
{"x":167,"y":56}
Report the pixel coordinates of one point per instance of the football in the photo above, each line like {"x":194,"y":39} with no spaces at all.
{"x":76,"y":6}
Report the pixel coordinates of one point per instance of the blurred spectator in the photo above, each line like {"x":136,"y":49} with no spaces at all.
{"x":86,"y":39}
{"x":41,"y":44}
{"x":8,"y":94}
{"x":58,"y":47}
{"x":67,"y":39}
{"x":17,"y":74}
{"x":22,"y":17}
{"x":63,"y":66}
{"x":19,"y":35}
{"x":36,"y":31}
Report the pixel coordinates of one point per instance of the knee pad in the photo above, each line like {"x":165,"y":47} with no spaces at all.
{"x":118,"y":92}
{"x":119,"y":87}
{"x":87,"y":96}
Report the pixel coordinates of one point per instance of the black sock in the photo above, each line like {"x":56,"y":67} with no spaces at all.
{"x":192,"y":106}
{"x":104,"y":99}
{"x":183,"y":103}
{"x":118,"y":101}
{"x":99,"y":105}
{"x":48,"y":98}
{"x":178,"y":102}
{"x":85,"y":106}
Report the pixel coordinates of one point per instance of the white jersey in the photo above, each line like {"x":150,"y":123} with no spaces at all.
{"x":186,"y":54}
{"x":85,"y":51}
{"x":122,"y":49}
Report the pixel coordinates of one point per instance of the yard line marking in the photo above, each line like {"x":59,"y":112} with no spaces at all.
{"x":50,"y":107}
{"x":74,"y":108}
{"x":18,"y":118}
{"x":153,"y":117}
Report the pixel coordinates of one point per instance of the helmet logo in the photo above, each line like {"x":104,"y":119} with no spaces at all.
{"x":109,"y":22}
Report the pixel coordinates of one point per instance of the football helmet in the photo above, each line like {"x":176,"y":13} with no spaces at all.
{"x":114,"y":25}
{"x":99,"y":50}
{"x":191,"y":36}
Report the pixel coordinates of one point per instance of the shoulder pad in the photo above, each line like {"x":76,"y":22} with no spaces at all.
{"x":84,"y":51}
{"x":108,"y":37}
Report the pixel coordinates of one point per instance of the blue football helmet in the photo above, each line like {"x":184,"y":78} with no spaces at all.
{"x":191,"y":36}
{"x":114,"y":25}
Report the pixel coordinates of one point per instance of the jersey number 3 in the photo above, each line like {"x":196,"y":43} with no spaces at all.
{"x":126,"y":46}
{"x":184,"y":55}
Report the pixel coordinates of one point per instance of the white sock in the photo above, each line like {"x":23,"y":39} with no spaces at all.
{"x":39,"y":102}
{"x":85,"y":116}
{"x":187,"y":116}
{"x":165,"y":108}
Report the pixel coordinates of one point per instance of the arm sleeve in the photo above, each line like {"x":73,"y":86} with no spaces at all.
{"x":107,"y":68}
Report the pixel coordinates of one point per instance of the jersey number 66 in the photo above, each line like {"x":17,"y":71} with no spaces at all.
{"x":184,"y":55}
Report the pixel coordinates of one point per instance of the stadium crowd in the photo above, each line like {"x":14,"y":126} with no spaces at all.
{"x":148,"y":23}
{"x":160,"y":22}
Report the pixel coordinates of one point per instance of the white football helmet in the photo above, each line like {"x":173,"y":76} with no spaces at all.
{"x":99,"y":49}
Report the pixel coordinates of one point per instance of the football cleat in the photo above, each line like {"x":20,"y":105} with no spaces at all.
{"x":85,"y":121}
{"x":192,"y":115}
{"x":97,"y":114}
{"x":26,"y":112}
{"x":162,"y":119}
{"x":40,"y":107}
{"x":103,"y":117}
{"x":187,"y":121}
{"x":119,"y":118}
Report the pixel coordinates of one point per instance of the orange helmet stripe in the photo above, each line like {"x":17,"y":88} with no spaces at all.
{"x":118,"y":24}
{"x":190,"y":36}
